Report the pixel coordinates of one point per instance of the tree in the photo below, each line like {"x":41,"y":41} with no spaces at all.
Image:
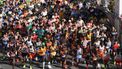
{"x":1,"y":2}
{"x":111,"y":5}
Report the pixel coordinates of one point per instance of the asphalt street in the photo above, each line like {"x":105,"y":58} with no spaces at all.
{"x":56,"y":66}
{"x":4,"y":65}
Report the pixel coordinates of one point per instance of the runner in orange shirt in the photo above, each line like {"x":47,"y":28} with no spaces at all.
{"x":42,"y":53}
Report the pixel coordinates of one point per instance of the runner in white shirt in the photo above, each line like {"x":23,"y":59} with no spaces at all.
{"x":108,"y":45}
{"x":97,"y":43}
{"x":79,"y":54}
{"x":102,"y":47}
{"x":85,"y":42}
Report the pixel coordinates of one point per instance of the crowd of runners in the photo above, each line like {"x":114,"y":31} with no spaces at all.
{"x":49,"y":31}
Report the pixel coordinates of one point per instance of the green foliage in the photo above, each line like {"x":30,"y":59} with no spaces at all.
{"x":1,"y":3}
{"x":111,"y":5}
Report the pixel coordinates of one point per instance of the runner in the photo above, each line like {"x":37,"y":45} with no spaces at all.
{"x":50,"y":31}
{"x":42,"y":53}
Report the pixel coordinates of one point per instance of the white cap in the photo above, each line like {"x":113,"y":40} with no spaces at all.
{"x":39,"y":4}
{"x":30,"y":20}
{"x":9,"y":12}
{"x":66,"y":2}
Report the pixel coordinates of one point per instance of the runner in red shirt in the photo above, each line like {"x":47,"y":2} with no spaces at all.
{"x":116,"y":46}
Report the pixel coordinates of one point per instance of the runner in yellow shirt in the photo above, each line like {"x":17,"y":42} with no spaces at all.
{"x":53,"y":53}
{"x":53,"y":50}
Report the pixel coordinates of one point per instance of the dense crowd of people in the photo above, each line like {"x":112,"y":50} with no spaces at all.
{"x":50,"y":31}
